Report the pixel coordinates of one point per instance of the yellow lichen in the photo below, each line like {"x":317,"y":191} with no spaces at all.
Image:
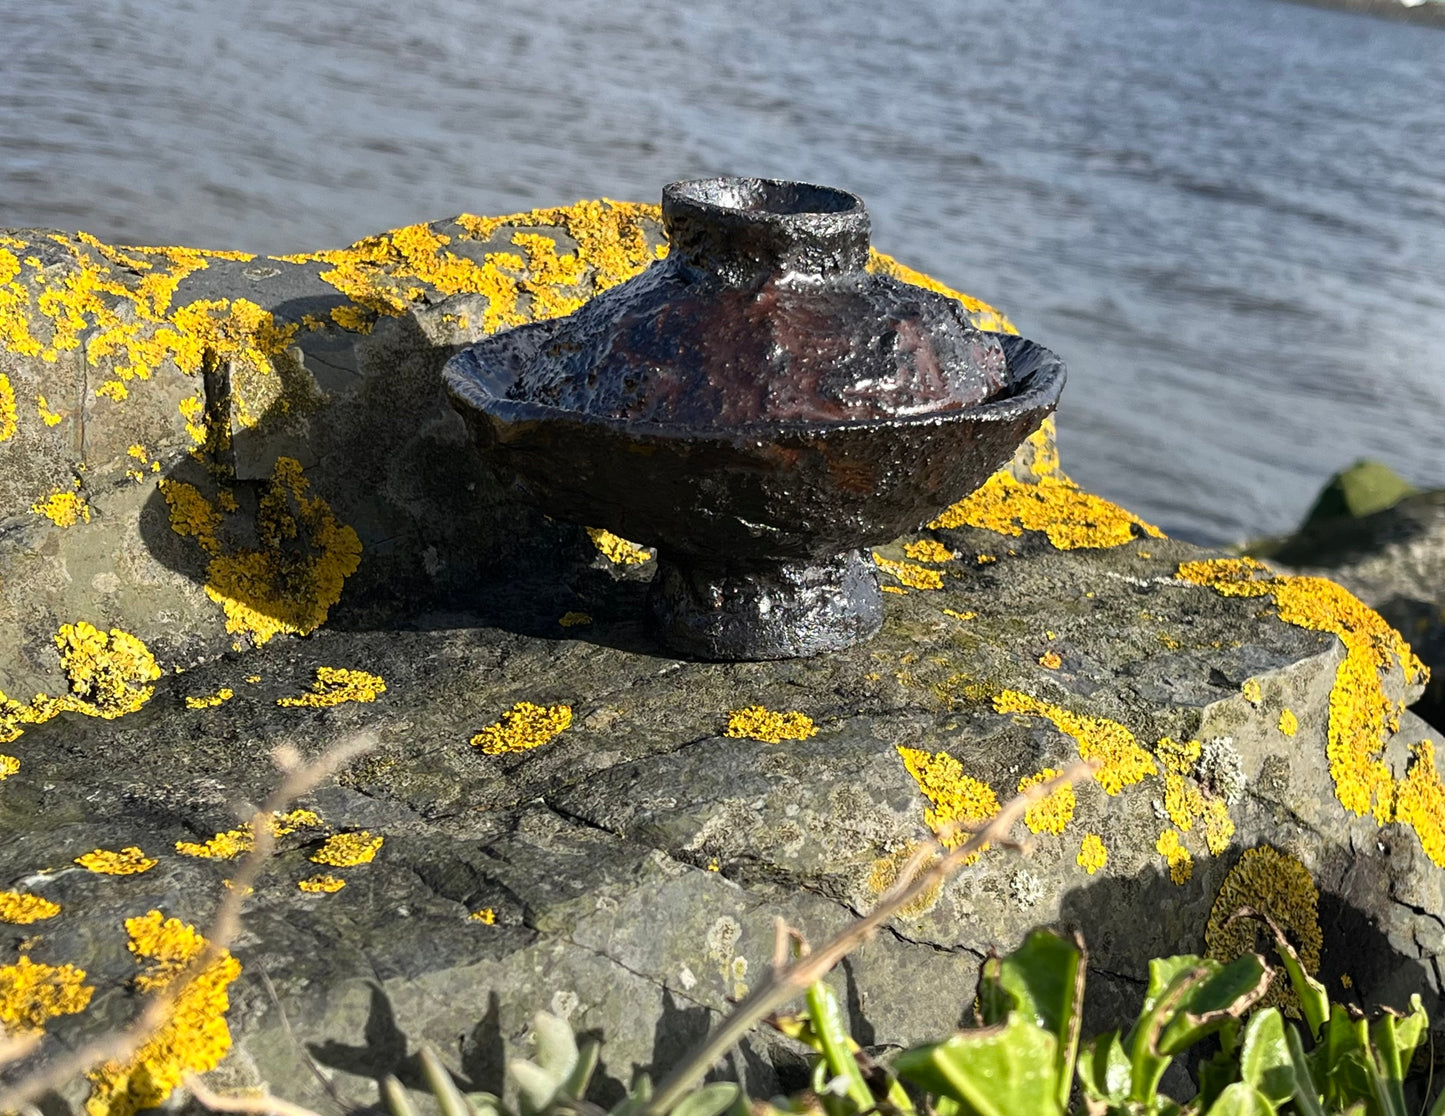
{"x":47,"y":416}
{"x":347,"y":850}
{"x":618,"y":550}
{"x":884,"y":875}
{"x":125,"y":862}
{"x":959,"y":615}
{"x":1183,"y":801}
{"x":756,"y":722}
{"x":1218,"y":826}
{"x":1420,"y":801}
{"x":335,"y":685}
{"x":1181,"y":864}
{"x":574,"y":619}
{"x":223,"y":846}
{"x":289,"y":822}
{"x":9,"y":765}
{"x":323,"y":884}
{"x":31,"y":994}
{"x":1092,"y":853}
{"x":1052,"y":812}
{"x":1252,"y":691}
{"x":523,"y":727}
{"x":486,"y":916}
{"x":1361,"y":714}
{"x":1288,"y":722}
{"x":915,"y":577}
{"x":1069,"y":516}
{"x":1276,"y":884}
{"x":65,"y":507}
{"x":210,"y":701}
{"x":22,"y":909}
{"x":1051,"y":659}
{"x":1122,"y":761}
{"x":193,"y":1039}
{"x":960,"y":803}
{"x":898,"y":590}
{"x":927,"y":550}
{"x":8,"y":421}
{"x":985,"y":559}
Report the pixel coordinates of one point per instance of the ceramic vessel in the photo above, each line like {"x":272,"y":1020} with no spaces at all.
{"x":761,"y":409}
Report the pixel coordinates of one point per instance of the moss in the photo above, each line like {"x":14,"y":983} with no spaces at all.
{"x":1176,"y":856}
{"x":1070,"y":517}
{"x":21,"y":909}
{"x":194,"y":1038}
{"x":1093,"y":855}
{"x":347,"y":850}
{"x":125,"y":862}
{"x":915,"y":577}
{"x":334,"y":685}
{"x":1122,"y":761}
{"x":618,"y":550}
{"x":1276,"y":884}
{"x":1052,"y":812}
{"x":1361,"y":714}
{"x":322,"y":884}
{"x":574,"y":619}
{"x":960,"y":802}
{"x":31,"y":994}
{"x":523,"y":727}
{"x":210,"y":701}
{"x":758,"y":723}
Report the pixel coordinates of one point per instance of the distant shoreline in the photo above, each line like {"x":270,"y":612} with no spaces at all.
{"x":1430,"y":14}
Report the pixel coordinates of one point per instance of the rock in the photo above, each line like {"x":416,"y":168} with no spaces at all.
{"x":1364,"y":488}
{"x":559,"y":815}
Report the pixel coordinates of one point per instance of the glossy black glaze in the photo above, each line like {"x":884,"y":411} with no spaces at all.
{"x":759,"y":483}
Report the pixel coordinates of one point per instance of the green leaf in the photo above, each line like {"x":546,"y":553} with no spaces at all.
{"x":1104,"y":1070}
{"x":1306,"y":1096}
{"x":536,"y":1088}
{"x":1264,"y":1060}
{"x":1341,"y":1061}
{"x":1221,"y":997}
{"x":1005,"y":1070}
{"x":1396,"y":1037}
{"x":1170,"y":981}
{"x":1214,"y":1074}
{"x":1314,"y":1000}
{"x":1241,"y":1099}
{"x":576,"y":1084}
{"x":449,"y":1097}
{"x":710,"y":1100}
{"x":556,"y":1046}
{"x":832,"y":1033}
{"x":1043,"y":979}
{"x":397,"y":1098}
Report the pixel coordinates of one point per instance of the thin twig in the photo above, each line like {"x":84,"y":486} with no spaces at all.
{"x":15,"y":1047}
{"x":120,"y":1045}
{"x":264,"y":1105}
{"x":296,"y":1046}
{"x":782,"y":985}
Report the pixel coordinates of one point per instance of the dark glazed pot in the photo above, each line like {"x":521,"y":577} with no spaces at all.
{"x":759,"y":408}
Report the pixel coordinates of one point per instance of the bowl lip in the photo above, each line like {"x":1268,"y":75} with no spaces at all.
{"x":1038,"y":387}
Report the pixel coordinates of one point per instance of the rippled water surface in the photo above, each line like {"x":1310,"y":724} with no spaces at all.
{"x":1227,"y":215}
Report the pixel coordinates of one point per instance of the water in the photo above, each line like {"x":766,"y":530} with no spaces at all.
{"x":1227,"y":215}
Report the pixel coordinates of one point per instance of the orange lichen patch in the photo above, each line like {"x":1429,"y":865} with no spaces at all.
{"x":1361,"y":714}
{"x":523,"y":727}
{"x":1420,"y":801}
{"x":347,"y":850}
{"x":959,"y":802}
{"x":1051,"y":659}
{"x":1052,"y":812}
{"x":1183,"y":801}
{"x":124,"y":862}
{"x":1122,"y":761}
{"x":486,"y":916}
{"x":223,"y":846}
{"x":31,"y":994}
{"x":1092,"y":853}
{"x":335,"y":685}
{"x":21,"y":909}
{"x":1252,"y":691}
{"x":574,"y":619}
{"x":210,"y":701}
{"x":759,"y":723}
{"x":1181,"y":864}
{"x":915,"y":577}
{"x":322,"y":884}
{"x":618,"y":550}
{"x":1276,"y":884}
{"x":927,"y":550}
{"x":1288,"y":722}
{"x":8,"y":421}
{"x":289,"y":582}
{"x":194,"y":1038}
{"x":65,"y":507}
{"x":885,"y":873}
{"x":1069,"y":516}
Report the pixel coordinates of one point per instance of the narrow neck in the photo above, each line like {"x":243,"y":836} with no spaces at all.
{"x":740,"y":228}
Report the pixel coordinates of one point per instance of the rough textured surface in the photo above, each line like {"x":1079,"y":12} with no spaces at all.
{"x":568,"y":818}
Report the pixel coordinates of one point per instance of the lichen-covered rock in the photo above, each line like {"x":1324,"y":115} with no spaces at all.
{"x":557,"y":813}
